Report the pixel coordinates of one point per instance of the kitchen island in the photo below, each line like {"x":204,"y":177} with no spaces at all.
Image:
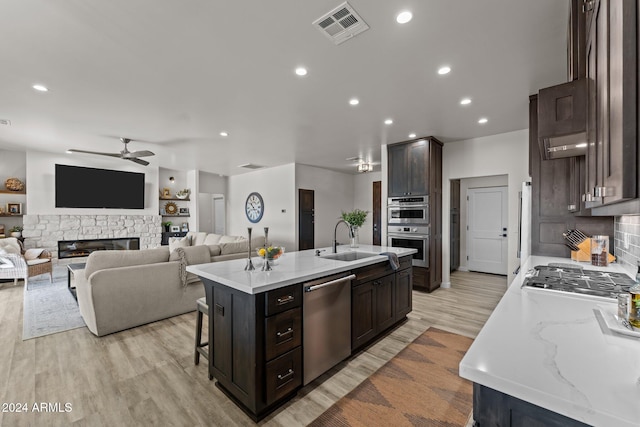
{"x":260,"y":322}
{"x":545,"y":355}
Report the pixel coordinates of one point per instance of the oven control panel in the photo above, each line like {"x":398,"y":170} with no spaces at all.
{"x":400,"y":229}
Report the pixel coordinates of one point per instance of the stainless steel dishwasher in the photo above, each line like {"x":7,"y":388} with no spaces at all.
{"x":326,"y":324}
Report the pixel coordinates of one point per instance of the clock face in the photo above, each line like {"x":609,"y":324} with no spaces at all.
{"x":254,"y":207}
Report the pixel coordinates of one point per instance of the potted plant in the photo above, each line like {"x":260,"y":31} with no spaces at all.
{"x":355,"y":219}
{"x":16,"y":231}
{"x":167,"y":226}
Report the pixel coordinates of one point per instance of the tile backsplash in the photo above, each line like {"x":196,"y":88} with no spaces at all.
{"x":627,"y":252}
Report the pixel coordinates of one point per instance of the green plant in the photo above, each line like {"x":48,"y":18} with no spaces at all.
{"x":356,"y":218}
{"x":167,"y":224}
{"x":16,"y":228}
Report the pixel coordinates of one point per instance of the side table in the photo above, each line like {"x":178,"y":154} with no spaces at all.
{"x":71,"y":270}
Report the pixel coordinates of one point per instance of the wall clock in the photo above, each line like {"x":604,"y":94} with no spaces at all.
{"x":254,"y":207}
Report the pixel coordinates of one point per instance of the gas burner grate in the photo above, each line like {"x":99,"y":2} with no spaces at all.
{"x":577,"y":280}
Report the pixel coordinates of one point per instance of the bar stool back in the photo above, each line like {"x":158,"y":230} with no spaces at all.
{"x":201,"y":347}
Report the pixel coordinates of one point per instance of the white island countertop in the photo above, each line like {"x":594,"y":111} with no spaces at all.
{"x":291,"y":268}
{"x":554,"y":350}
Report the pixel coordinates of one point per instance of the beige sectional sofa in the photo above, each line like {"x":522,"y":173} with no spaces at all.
{"x":119,"y":290}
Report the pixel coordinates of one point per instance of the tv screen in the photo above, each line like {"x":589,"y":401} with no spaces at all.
{"x":80,"y":187}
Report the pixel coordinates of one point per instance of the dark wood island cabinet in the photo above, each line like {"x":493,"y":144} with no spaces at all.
{"x":257,"y":352}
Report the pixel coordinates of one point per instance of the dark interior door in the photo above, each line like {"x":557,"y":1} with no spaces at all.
{"x":306,"y":234}
{"x":454,"y":237}
{"x":377,"y":215}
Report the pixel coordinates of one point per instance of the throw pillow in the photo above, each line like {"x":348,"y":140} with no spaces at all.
{"x":6,"y":263}
{"x":9,"y":249}
{"x":179,"y":242}
{"x":32,"y":254}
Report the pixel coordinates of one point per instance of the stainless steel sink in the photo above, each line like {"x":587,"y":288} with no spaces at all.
{"x":349,"y":256}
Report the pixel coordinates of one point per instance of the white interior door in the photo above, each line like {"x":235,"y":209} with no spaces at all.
{"x":487,"y":230}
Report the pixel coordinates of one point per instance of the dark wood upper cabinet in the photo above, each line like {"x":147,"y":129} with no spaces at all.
{"x":562,"y":120}
{"x":576,"y":40}
{"x":409,"y":168}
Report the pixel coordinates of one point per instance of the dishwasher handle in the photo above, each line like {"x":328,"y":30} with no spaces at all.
{"x":329,"y":283}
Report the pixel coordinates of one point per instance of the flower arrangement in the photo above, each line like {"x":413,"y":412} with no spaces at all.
{"x":16,"y":229}
{"x":355,"y":218}
{"x":271,"y":252}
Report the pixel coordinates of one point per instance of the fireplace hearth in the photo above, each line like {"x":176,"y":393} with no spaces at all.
{"x":82,"y":248}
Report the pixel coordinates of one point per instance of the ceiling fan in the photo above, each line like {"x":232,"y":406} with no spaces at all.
{"x":124,"y":154}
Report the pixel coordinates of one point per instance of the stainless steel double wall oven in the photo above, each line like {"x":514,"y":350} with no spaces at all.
{"x":408,"y":226}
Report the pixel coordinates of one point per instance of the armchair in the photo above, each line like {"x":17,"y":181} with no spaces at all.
{"x":23,"y":264}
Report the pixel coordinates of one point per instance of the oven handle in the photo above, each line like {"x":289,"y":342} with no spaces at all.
{"x":404,"y":236}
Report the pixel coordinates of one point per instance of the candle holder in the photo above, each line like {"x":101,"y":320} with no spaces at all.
{"x":266,"y":265}
{"x":249,"y":266}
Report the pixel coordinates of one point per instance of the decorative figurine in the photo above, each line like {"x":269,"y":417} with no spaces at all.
{"x":249,"y":266}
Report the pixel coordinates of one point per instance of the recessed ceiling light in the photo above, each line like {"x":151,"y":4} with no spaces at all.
{"x":40,"y":88}
{"x":354,"y":101}
{"x":444,"y":70}
{"x":223,"y":133}
{"x":465,"y":101}
{"x":483,"y":120}
{"x":301,"y":71}
{"x":388,"y":122}
{"x":404,"y":17}
{"x":412,"y":135}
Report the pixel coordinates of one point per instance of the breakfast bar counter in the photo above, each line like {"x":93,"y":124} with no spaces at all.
{"x":554,"y":350}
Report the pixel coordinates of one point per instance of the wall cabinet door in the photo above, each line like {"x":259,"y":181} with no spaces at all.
{"x":409,"y":168}
{"x":611,"y":56}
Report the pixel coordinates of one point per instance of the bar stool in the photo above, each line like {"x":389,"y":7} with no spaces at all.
{"x":203,"y":309}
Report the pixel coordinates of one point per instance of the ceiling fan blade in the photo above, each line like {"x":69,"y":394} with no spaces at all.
{"x":142,"y":153}
{"x":138,"y":161}
{"x":93,"y":152}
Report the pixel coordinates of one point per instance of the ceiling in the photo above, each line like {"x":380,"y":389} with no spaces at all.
{"x":174,"y":74}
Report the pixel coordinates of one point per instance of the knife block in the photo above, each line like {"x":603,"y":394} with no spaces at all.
{"x":584,"y":254}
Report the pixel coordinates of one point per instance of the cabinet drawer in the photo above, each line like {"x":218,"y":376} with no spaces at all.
{"x":283,"y":299}
{"x":283,"y":332}
{"x":283,"y":375}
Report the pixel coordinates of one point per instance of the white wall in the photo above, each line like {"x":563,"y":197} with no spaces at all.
{"x":466,"y":184}
{"x":212,"y":183}
{"x":363,"y":199}
{"x":13,"y":164}
{"x":333,"y":194}
{"x":41,"y":181}
{"x":277,"y":187}
{"x":503,"y":154}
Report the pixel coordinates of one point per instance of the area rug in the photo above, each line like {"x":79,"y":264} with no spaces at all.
{"x":49,"y":308}
{"x":420,"y":386}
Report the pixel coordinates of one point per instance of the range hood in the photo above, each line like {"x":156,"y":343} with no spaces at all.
{"x":562,"y":120}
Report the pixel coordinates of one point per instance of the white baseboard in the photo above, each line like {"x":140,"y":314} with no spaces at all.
{"x":462,"y":268}
{"x":445,"y":285}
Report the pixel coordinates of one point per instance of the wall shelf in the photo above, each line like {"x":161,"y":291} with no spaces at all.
{"x":11,"y":215}
{"x":2,"y":191}
{"x":176,"y":216}
{"x":175,"y":199}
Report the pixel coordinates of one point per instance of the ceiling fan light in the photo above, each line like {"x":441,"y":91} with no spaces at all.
{"x":364,"y":167}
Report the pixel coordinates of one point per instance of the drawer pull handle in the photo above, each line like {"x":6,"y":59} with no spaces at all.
{"x":288,"y":374}
{"x":285,"y":300}
{"x":287,"y":332}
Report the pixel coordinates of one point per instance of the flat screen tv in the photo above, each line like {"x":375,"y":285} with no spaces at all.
{"x":80,"y":187}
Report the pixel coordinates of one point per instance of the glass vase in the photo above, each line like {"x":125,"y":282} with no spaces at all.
{"x":353,"y":234}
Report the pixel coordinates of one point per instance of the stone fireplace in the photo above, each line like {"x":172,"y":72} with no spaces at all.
{"x":83,"y":248}
{"x":44,"y":231}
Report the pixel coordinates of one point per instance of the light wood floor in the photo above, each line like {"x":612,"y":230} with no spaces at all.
{"x":146,"y":376}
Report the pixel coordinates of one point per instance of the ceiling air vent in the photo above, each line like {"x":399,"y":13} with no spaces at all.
{"x":341,"y":24}
{"x":250,"y":166}
{"x":5,"y":122}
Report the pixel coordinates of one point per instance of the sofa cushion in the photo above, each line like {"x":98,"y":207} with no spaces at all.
{"x":231,"y":239}
{"x":179,"y":242}
{"x":212,"y":239}
{"x":100,"y":260}
{"x":37,"y":261}
{"x":192,"y":255}
{"x":214,"y":250}
{"x":197,"y":237}
{"x":234,"y":248}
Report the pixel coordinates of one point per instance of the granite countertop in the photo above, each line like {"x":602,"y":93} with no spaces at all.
{"x":291,"y":268}
{"x":554,"y":350}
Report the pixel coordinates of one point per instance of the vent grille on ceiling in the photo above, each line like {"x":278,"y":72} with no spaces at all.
{"x":341,"y":24}
{"x":250,"y":166}
{"x":5,"y":122}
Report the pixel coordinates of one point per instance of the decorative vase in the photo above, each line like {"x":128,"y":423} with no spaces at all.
{"x":16,"y":234}
{"x":353,"y":234}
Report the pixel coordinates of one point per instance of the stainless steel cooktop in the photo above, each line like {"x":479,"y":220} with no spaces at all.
{"x":577,"y":280}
